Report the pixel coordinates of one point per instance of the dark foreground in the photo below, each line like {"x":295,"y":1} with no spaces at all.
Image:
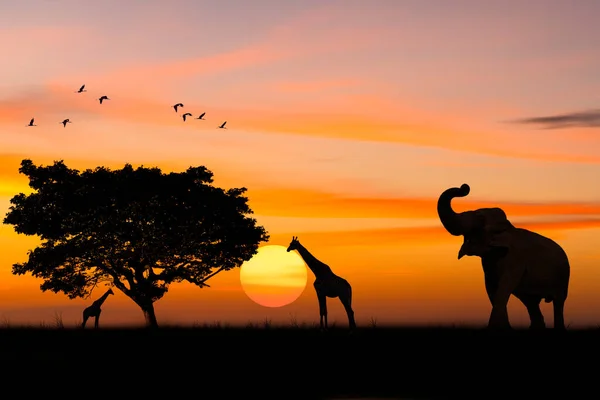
{"x":300,"y":363}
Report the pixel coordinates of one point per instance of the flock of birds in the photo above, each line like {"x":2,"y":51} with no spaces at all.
{"x":102,"y":98}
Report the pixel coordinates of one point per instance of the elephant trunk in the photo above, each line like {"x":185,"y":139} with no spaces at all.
{"x":449,"y":218}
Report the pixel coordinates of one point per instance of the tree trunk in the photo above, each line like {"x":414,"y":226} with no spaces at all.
{"x":150,"y":316}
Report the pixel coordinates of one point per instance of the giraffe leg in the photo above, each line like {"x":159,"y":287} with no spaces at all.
{"x":347,"y":303}
{"x":322,"y":310}
{"x":86,"y":316}
{"x":97,"y":319}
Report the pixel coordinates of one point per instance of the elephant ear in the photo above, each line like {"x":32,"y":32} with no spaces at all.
{"x":496,"y":227}
{"x":500,"y":239}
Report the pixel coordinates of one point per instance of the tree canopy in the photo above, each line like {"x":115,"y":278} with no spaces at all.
{"x":137,"y":229}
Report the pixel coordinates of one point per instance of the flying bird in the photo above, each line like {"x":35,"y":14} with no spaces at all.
{"x":222,"y":125}
{"x":81,"y":89}
{"x":31,"y":122}
{"x":185,"y":115}
{"x":177,"y":105}
{"x":201,"y":116}
{"x":65,"y":122}
{"x":103,"y":98}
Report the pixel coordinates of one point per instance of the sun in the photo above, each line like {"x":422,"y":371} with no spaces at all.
{"x":273,"y":277}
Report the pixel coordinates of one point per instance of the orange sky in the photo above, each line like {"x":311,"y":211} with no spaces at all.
{"x":344,"y":121}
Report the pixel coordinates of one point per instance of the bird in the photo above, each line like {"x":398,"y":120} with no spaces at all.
{"x":201,"y":116}
{"x":177,"y":105}
{"x":31,"y":122}
{"x":81,"y":89}
{"x":103,"y":98}
{"x":65,"y":122}
{"x":185,"y":115}
{"x":222,"y":125}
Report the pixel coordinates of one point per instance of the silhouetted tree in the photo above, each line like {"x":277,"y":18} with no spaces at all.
{"x":138,"y":229}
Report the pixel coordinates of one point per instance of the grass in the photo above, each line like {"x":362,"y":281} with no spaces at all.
{"x":293,"y":327}
{"x":58,"y":323}
{"x":264,"y":358}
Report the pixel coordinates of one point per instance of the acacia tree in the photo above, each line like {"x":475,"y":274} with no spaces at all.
{"x":137,"y":229}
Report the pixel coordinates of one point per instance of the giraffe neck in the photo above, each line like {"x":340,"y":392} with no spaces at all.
{"x":316,"y":266}
{"x":102,"y":299}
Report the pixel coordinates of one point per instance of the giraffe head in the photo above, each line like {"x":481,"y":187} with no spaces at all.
{"x":293,"y":244}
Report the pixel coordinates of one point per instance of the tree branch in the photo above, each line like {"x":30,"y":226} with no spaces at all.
{"x":126,"y":273}
{"x":117,"y":282}
{"x":170,"y":271}
{"x":202,"y":284}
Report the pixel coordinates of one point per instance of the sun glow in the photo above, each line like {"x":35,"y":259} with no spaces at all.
{"x":273,"y":277}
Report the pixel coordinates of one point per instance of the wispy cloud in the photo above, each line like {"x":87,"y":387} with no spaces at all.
{"x":314,"y":86}
{"x":307,"y":202}
{"x":582,"y":119}
{"x":12,"y":182}
{"x":383,"y":121}
{"x":314,"y":203}
{"x":201,"y":66}
{"x":33,"y":38}
{"x":44,"y":101}
{"x":425,"y":235}
{"x":281,"y":42}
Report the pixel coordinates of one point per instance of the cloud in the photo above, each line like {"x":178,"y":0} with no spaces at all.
{"x":287,"y":202}
{"x":12,"y":182}
{"x":24,"y":41}
{"x":425,"y":235}
{"x":313,"y":85}
{"x":306,"y":203}
{"x":45,"y":102}
{"x":280,"y":42}
{"x":219,"y":63}
{"x":384,"y":121}
{"x":582,"y":119}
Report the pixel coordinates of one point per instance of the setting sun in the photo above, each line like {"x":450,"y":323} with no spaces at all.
{"x":273,"y":277}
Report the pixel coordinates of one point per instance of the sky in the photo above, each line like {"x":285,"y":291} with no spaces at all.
{"x":346,"y":120}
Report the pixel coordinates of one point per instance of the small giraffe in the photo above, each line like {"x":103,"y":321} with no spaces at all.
{"x":327,"y":284}
{"x":94,"y":310}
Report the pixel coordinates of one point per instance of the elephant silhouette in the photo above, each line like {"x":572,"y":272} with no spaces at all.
{"x":515,"y":261}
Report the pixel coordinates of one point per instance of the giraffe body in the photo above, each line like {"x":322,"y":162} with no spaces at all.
{"x":95,"y":309}
{"x":327,"y":284}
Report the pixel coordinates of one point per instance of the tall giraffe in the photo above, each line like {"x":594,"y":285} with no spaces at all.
{"x":327,"y":284}
{"x":94,"y":310}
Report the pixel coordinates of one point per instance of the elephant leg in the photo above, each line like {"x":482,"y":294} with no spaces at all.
{"x":533,"y":308}
{"x":510,"y":276}
{"x":490,"y":276}
{"x":490,"y":288}
{"x":559,"y":317}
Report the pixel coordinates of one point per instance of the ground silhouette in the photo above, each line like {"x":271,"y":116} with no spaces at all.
{"x":515,"y":261}
{"x":284,"y":363}
{"x":95,"y":309}
{"x":327,"y":284}
{"x":139,"y":230}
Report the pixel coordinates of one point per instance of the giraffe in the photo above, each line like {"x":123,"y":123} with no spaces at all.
{"x":94,"y":310}
{"x":327,"y":284}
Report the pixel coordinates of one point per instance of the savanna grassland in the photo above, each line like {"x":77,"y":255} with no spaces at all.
{"x":265,"y":361}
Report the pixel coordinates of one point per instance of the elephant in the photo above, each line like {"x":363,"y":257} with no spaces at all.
{"x":515,"y":261}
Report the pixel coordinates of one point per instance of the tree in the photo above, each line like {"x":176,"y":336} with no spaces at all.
{"x":137,"y":229}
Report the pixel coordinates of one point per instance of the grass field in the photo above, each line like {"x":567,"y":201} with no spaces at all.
{"x":295,"y":362}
